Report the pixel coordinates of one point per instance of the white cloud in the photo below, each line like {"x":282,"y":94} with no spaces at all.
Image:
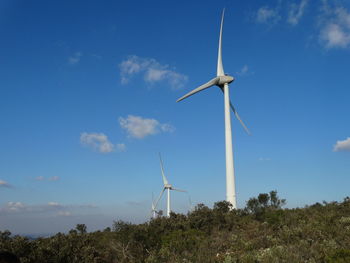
{"x":243,"y":71}
{"x":152,"y":71}
{"x":54,"y":204}
{"x":4,"y":184}
{"x":97,"y":141}
{"x":267,"y":15}
{"x":15,"y":206}
{"x":153,"y":75}
{"x":342,"y":146}
{"x":333,"y":35}
{"x":139,"y":127}
{"x":75,"y":58}
{"x":335,"y":27}
{"x":296,"y":12}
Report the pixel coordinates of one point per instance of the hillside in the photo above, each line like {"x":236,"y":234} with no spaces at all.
{"x":262,"y":232}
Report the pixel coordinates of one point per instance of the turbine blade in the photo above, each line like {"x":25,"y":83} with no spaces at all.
{"x":153,"y":207}
{"x":210,"y":83}
{"x":220,"y":68}
{"x":237,"y":116}
{"x":165,"y":181}
{"x":160,"y":196}
{"x":179,"y":190}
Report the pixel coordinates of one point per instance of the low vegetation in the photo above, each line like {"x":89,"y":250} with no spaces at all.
{"x":261,"y":232}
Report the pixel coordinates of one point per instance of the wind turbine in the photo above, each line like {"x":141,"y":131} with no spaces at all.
{"x":190,"y":203}
{"x":167,"y":187}
{"x":154,"y":212}
{"x":223,"y":80}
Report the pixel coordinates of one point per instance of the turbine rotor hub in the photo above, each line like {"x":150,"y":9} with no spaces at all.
{"x":225,"y":79}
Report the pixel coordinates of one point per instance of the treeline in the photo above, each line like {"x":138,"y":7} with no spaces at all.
{"x":261,"y":232}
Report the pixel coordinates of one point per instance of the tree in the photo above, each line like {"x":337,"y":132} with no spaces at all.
{"x":265,"y":201}
{"x":120,"y":225}
{"x":81,"y":228}
{"x":275,"y":202}
{"x":253,"y":205}
{"x":222,"y":207}
{"x":5,"y":235}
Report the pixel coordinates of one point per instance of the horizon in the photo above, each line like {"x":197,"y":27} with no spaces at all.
{"x":88,"y":99}
{"x":48,"y":234}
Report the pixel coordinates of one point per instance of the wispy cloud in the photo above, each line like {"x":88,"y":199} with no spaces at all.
{"x":342,"y":146}
{"x":43,"y":178}
{"x":13,"y":207}
{"x":139,"y":127}
{"x":244,"y":71}
{"x":96,"y":56}
{"x":52,"y":208}
{"x":296,"y":12}
{"x":335,"y":27}
{"x":74,"y":59}
{"x":54,"y":178}
{"x":64,"y":213}
{"x":39,"y":178}
{"x":54,"y":204}
{"x":97,"y":141}
{"x":267,"y":15}
{"x":333,"y":20}
{"x":5,"y":184}
{"x":152,"y":71}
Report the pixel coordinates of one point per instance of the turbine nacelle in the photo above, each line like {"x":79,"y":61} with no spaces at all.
{"x":222,"y":80}
{"x":219,"y":81}
{"x":168,"y":186}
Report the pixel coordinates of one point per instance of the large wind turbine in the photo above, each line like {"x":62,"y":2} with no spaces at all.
{"x":222,"y":80}
{"x":167,"y":187}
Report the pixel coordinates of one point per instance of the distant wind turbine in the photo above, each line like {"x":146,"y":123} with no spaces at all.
{"x":154,"y":212}
{"x":222,"y":80}
{"x":190,"y":203}
{"x":167,"y":187}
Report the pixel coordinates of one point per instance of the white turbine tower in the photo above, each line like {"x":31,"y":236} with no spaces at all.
{"x":222,"y":81}
{"x":167,"y":187}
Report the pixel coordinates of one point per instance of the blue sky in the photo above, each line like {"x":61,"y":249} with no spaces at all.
{"x":87,"y":100}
